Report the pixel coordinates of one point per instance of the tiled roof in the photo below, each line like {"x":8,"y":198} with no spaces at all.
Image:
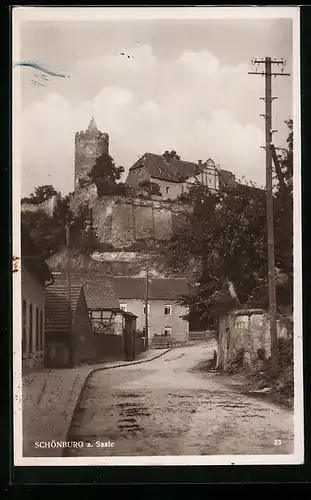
{"x":59,"y":310}
{"x":159,"y":289}
{"x":173,"y":171}
{"x":99,"y":292}
{"x":98,"y":289}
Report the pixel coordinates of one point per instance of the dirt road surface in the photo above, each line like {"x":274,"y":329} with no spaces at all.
{"x":163,"y":407}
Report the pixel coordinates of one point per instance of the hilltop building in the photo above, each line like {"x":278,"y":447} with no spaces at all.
{"x":174,"y":177}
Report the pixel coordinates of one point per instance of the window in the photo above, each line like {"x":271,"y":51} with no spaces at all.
{"x":37,"y":330}
{"x":123,"y":307}
{"x":168,"y":310}
{"x":31,"y":346}
{"x":96,"y":315}
{"x":100,"y":315}
{"x":167,"y":331}
{"x":24,"y":319}
{"x":167,"y":190}
{"x":144,"y":308}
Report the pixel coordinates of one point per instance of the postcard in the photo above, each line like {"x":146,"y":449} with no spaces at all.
{"x":157,"y":305}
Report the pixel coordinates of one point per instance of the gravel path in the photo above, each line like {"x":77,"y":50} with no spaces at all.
{"x":164,"y":408}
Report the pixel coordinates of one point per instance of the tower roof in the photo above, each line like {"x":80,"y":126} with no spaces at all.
{"x":92,"y":125}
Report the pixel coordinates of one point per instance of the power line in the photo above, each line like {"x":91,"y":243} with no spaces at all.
{"x":268,"y":73}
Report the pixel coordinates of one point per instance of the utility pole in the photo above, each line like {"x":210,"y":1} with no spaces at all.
{"x":146,"y":306}
{"x":268,"y":73}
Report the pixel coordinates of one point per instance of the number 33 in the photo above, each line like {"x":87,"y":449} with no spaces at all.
{"x":277,"y":442}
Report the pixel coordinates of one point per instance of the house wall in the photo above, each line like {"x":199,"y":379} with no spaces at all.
{"x":248,"y":330}
{"x":174,"y":188}
{"x":157,"y":319}
{"x":83,"y":339}
{"x":138,"y":175}
{"x":33,"y":339}
{"x":209,"y":177}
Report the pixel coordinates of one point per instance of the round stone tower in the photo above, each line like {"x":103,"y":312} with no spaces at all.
{"x":89,"y":145}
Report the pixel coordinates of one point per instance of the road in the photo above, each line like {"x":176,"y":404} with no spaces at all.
{"x":164,"y":407}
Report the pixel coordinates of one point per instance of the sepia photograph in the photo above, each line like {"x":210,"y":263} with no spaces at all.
{"x":156,"y":177}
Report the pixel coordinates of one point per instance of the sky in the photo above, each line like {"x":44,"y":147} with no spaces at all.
{"x":186,"y":87}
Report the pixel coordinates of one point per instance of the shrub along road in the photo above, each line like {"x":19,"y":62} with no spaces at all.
{"x":166,"y":408}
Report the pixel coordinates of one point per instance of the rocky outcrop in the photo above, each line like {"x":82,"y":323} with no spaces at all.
{"x":112,"y":263}
{"x":122,"y":221}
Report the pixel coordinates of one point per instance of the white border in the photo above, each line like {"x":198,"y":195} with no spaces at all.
{"x":144,"y":13}
{"x":298,"y":322}
{"x":21,"y":14}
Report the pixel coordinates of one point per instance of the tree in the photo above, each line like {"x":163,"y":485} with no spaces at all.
{"x":46,"y":233}
{"x":283,"y":208}
{"x":150,"y":188}
{"x":121,"y":189}
{"x":40,"y":195}
{"x":171,"y":155}
{"x":225,"y":235}
{"x":104,"y":174}
{"x":286,"y":157}
{"x":225,"y":240}
{"x":49,"y":231}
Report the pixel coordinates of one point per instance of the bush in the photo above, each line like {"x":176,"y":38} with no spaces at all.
{"x":285,"y":353}
{"x":279,"y":380}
